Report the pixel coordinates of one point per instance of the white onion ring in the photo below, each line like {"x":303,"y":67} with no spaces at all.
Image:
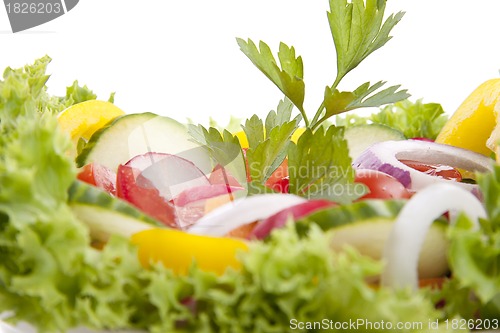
{"x":385,"y":156}
{"x":412,"y":224}
{"x":243,"y":211}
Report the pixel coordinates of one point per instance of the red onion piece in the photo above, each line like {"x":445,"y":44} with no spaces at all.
{"x":385,"y":156}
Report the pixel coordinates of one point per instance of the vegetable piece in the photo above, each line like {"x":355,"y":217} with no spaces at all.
{"x":84,"y":119}
{"x":170,"y":174}
{"x":243,"y":211}
{"x":474,"y":125}
{"x":357,"y":31}
{"x":360,"y":137}
{"x":144,"y":196}
{"x":220,"y":175}
{"x":264,"y":228}
{"x":191,"y":204}
{"x":319,"y":167}
{"x":437,"y":170}
{"x":178,"y":250}
{"x":414,"y":120}
{"x":370,"y":236}
{"x":386,"y":156}
{"x":105,"y":215}
{"x":381,"y":185}
{"x":403,"y":247}
{"x":136,"y":134}
{"x":99,"y":176}
{"x":203,"y":192}
{"x":278,"y":181}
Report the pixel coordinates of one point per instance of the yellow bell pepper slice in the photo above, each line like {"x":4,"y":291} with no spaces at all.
{"x":81,"y":120}
{"x":474,"y":124}
{"x":177,"y":250}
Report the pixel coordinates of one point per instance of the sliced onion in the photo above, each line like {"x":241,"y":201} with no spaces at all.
{"x":243,"y":211}
{"x":412,"y":224}
{"x":385,"y":156}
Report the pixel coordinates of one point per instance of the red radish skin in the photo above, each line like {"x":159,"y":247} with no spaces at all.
{"x":220,"y":175}
{"x":204,"y":192}
{"x":146,"y":198}
{"x":279,"y":220}
{"x":150,"y":181}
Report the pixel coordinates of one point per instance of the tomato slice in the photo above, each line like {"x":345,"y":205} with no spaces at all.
{"x":437,"y":170}
{"x":99,"y":176}
{"x":144,"y":196}
{"x":381,"y":185}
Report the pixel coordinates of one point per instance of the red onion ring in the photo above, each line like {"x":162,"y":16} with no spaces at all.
{"x":385,"y":156}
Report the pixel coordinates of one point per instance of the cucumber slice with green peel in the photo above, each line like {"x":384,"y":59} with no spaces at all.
{"x":369,"y":238}
{"x":361,"y":137}
{"x":337,"y":216}
{"x":106,"y":215}
{"x":135,"y":134}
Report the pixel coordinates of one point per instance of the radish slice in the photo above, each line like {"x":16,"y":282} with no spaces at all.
{"x":385,"y":156}
{"x":170,"y":174}
{"x":243,"y":211}
{"x":412,"y":224}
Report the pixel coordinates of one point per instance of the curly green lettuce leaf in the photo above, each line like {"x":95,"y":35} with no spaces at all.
{"x":416,"y":119}
{"x":474,"y":257}
{"x":413,"y":119}
{"x":49,"y":274}
{"x":289,"y":281}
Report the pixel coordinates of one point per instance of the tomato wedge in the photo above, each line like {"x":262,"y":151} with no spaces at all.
{"x":99,"y":176}
{"x":381,"y":185}
{"x":438,"y":170}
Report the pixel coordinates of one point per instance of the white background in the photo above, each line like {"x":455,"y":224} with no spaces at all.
{"x":180,"y":58}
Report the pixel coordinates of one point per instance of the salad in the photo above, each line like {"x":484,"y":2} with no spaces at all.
{"x":295,"y":222}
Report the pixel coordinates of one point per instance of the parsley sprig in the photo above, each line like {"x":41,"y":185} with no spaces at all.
{"x":358,"y":29}
{"x":319,"y":165}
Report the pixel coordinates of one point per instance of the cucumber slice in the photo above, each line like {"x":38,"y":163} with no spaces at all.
{"x":106,"y":215}
{"x":337,"y":216}
{"x":360,"y":137}
{"x":136,"y":134}
{"x":369,"y":238}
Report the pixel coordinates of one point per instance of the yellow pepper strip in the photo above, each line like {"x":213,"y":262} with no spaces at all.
{"x":475,"y":120}
{"x":177,"y":250}
{"x":83,"y":119}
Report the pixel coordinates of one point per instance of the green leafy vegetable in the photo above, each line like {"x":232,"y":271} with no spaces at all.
{"x":336,"y":102}
{"x":475,"y":257}
{"x":268,"y":146}
{"x":288,"y":78}
{"x":320,"y":167}
{"x":413,"y":119}
{"x":358,"y":29}
{"x":223,"y":148}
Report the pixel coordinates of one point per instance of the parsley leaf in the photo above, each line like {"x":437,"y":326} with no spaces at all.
{"x":336,"y":102}
{"x":268,"y":143}
{"x":357,"y":31}
{"x":288,"y":78}
{"x":319,"y":166}
{"x":223,"y":148}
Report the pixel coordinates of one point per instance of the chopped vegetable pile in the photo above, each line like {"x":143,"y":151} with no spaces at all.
{"x":110,"y":220}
